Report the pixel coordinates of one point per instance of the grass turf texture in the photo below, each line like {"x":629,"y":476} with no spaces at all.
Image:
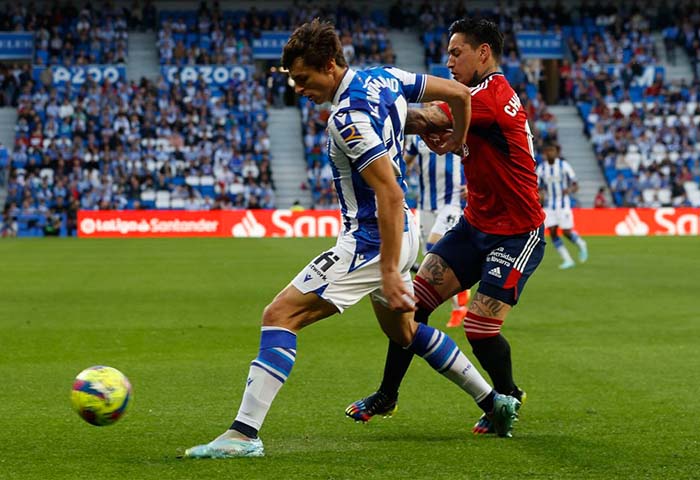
{"x":607,"y":353}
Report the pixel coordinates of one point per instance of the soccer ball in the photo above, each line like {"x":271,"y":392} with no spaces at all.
{"x":100,"y":395}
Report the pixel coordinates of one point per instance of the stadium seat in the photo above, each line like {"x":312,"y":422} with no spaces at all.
{"x":177,"y":203}
{"x":648,"y":196}
{"x":192,"y":181}
{"x":664,"y":196}
{"x":162,"y":199}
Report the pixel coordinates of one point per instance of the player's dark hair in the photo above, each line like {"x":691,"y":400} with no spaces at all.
{"x":550,"y":142}
{"x":480,"y":31}
{"x":316,"y":42}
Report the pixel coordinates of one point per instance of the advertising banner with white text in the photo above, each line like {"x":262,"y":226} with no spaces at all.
{"x":327,"y":223}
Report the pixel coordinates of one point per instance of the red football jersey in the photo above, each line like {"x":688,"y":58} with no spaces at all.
{"x":502,"y":194}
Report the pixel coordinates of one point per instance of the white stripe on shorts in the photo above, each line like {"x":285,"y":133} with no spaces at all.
{"x":524,"y":256}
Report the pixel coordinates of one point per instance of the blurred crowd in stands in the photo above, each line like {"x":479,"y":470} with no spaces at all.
{"x":146,"y":145}
{"x":212,"y":36}
{"x":193,"y":145}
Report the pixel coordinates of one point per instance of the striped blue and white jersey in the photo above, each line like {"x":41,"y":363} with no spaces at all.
{"x":366,"y":122}
{"x":440,"y":177}
{"x":554,"y":179}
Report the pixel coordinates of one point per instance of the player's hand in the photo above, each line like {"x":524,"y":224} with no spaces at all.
{"x":396,"y":293}
{"x":443,"y":142}
{"x":463,"y":192}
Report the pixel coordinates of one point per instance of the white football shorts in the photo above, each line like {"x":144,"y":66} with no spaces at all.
{"x":343,"y":277}
{"x":439,"y":221}
{"x":563,"y":217}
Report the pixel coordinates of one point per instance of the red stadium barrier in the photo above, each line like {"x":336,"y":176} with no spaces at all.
{"x":637,"y":221}
{"x":326,"y":223}
{"x":215,"y":223}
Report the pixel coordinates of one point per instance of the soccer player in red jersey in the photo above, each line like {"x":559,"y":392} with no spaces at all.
{"x":499,"y":242}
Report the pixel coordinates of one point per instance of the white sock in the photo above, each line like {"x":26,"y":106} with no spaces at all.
{"x":261,"y":390}
{"x":267,"y":374}
{"x":443,"y":354}
{"x":564,"y":253}
{"x":464,"y":374}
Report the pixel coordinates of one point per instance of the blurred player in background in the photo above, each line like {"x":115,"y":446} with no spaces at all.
{"x":442,"y":196}
{"x":499,"y":241}
{"x":379,"y":241}
{"x":557,"y":182}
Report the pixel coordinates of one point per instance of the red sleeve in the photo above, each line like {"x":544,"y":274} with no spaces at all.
{"x":482,"y":113}
{"x":446,"y":108}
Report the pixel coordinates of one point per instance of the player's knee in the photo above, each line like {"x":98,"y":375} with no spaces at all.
{"x":277,"y":314}
{"x":477,"y":327}
{"x":272,"y":315}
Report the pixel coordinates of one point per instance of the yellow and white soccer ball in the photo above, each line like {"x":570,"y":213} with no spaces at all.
{"x":101,"y":395}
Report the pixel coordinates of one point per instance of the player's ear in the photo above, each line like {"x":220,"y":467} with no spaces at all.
{"x":330,"y":65}
{"x":485,"y":49}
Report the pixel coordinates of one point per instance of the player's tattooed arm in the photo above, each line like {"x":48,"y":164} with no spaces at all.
{"x":423,"y":121}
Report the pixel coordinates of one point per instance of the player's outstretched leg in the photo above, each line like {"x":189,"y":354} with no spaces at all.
{"x":268,"y":372}
{"x":576,"y":239}
{"x":442,"y":353}
{"x":383,"y":402}
{"x":567,"y":262}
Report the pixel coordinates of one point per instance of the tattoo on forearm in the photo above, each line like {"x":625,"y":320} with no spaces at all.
{"x":415,"y":122}
{"x":436,"y":119}
{"x":487,"y":306}
{"x":420,"y":121}
{"x":435,"y":267}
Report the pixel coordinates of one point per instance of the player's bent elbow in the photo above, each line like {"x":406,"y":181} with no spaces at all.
{"x":461,"y":92}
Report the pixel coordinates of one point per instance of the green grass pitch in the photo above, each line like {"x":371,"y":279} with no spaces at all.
{"x":608,"y":353}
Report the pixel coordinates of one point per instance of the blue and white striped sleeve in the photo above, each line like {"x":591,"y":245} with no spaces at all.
{"x":357,"y":137}
{"x":413,"y":146}
{"x":540,"y":175}
{"x":412,"y":84}
{"x":569,"y":172}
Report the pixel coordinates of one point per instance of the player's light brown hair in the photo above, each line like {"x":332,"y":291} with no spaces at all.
{"x":316,"y":43}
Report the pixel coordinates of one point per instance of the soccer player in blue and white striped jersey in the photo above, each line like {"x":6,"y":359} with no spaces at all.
{"x":557,"y":182}
{"x":442,"y":197}
{"x":377,"y":244}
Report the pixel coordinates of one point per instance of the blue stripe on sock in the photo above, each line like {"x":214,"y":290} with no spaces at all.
{"x":268,"y":370}
{"x":431,"y":345}
{"x":276,"y":360}
{"x":277,"y":338}
{"x":420,"y":340}
{"x":437,"y":352}
{"x":558,"y":242}
{"x":442,"y":355}
{"x":452,"y":360}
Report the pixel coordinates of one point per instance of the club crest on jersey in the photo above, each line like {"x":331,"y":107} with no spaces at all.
{"x":347,"y":131}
